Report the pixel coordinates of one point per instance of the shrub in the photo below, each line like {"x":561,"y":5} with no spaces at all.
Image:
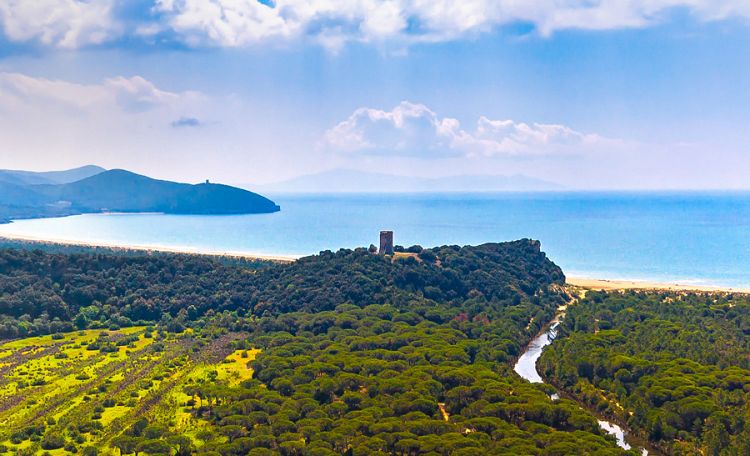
{"x":427,"y":256}
{"x":52,"y":441}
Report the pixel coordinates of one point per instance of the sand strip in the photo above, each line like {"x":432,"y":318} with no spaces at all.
{"x":615,"y":285}
{"x":152,"y":248}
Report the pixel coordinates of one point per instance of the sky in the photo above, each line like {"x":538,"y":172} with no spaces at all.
{"x":589,"y":94}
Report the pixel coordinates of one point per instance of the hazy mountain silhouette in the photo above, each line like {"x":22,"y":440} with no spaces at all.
{"x":362,"y":181}
{"x":49,"y":177}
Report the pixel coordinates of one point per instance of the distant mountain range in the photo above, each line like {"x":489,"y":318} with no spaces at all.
{"x":90,"y":189}
{"x":360,"y":181}
{"x":49,"y":177}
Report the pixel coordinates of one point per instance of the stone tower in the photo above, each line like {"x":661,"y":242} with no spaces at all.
{"x":386,"y":243}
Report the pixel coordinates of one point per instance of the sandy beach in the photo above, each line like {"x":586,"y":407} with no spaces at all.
{"x":614,"y":285}
{"x":152,"y":248}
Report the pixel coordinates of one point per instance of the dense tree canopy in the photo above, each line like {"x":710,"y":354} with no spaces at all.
{"x":380,"y":380}
{"x":674,"y":366}
{"x":44,"y":293}
{"x":361,"y":354}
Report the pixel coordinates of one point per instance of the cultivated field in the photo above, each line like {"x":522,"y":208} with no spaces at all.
{"x":78,"y":391}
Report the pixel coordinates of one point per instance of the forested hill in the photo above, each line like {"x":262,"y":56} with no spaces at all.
{"x":124,"y":191}
{"x":41,"y":292}
{"x":356,"y":354}
{"x":92,"y":189}
{"x":488,"y":273}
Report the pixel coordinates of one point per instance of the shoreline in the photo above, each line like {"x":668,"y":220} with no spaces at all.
{"x":588,"y":283}
{"x":150,"y":248}
{"x":648,"y":285}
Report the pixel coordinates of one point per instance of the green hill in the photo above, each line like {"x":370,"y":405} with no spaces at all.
{"x":124,"y":191}
{"x":23,"y":196}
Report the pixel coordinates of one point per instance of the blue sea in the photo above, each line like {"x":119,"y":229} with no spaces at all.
{"x":691,"y":238}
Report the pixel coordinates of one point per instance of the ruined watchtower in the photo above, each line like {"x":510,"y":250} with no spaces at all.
{"x":386,"y":243}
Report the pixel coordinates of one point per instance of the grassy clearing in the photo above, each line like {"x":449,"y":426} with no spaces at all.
{"x":234,"y":369}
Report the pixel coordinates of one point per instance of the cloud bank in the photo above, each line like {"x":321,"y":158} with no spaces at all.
{"x":123,"y":121}
{"x":64,"y":24}
{"x":332,"y":23}
{"x":126,"y":114}
{"x":131,"y":95}
{"x":411,"y":129}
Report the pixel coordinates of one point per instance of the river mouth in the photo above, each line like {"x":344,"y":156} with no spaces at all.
{"x":526,"y":368}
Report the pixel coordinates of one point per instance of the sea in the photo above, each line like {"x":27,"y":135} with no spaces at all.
{"x":693,"y":238}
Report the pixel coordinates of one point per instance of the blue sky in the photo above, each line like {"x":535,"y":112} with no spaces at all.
{"x":591,"y":95}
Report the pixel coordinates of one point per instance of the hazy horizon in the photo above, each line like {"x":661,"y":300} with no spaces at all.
{"x":286,"y":186}
{"x":588,"y":96}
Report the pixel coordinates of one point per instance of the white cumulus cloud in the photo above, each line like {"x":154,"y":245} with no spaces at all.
{"x":411,"y":129}
{"x":332,"y":23}
{"x":59,"y":23}
{"x":133,"y":94}
{"x":408,"y":129}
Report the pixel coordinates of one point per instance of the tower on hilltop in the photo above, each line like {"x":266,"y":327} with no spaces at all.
{"x":386,"y":243}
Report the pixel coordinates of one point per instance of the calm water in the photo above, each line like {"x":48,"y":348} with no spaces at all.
{"x":526,"y":364}
{"x":526,"y":368}
{"x":687,"y":237}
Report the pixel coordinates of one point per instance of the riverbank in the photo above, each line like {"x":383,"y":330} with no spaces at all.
{"x":526,"y":367}
{"x":624,"y":285}
{"x":149,"y":248}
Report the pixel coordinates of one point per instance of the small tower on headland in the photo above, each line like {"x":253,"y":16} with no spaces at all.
{"x":386,"y":243}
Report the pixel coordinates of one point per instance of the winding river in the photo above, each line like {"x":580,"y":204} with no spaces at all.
{"x":526,"y":368}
